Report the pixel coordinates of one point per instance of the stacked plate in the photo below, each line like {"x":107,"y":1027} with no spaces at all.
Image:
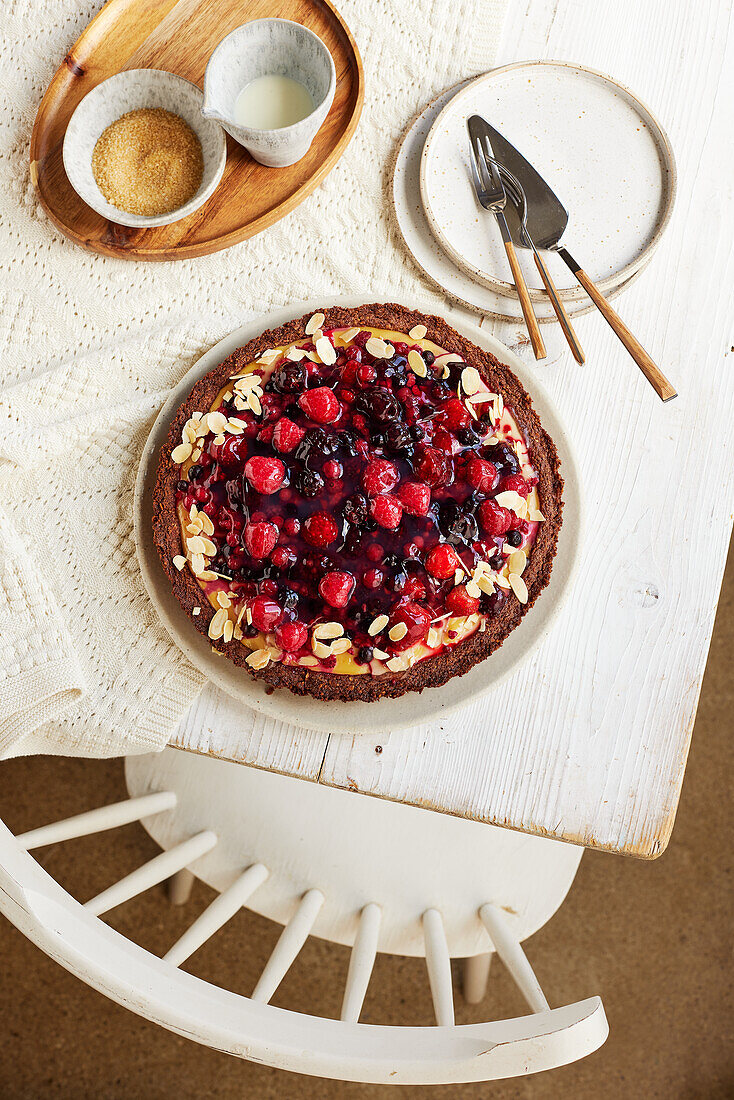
{"x":600,"y":149}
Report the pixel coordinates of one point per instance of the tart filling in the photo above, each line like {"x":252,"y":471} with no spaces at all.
{"x":355,"y":502}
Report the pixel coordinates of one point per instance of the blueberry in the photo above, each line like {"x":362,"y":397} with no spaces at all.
{"x":194,"y":472}
{"x":182,"y":486}
{"x":364,"y":655}
{"x":514,"y":538}
{"x":455,"y":525}
{"x":496,"y":562}
{"x":428,"y":358}
{"x":397,"y":437}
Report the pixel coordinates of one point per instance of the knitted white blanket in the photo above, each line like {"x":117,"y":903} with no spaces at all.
{"x":91,"y":347}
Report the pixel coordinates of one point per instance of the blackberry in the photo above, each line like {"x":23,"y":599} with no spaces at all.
{"x":308,"y":483}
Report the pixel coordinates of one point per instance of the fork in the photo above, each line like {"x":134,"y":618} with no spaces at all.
{"x":491,"y":195}
{"x":516,"y":192}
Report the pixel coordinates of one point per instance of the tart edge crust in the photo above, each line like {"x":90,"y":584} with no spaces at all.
{"x":432,"y":671}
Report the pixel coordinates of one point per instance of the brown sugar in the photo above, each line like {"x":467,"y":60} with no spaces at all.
{"x":148,"y":162}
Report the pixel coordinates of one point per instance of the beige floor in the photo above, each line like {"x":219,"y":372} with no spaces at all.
{"x":654,"y":939}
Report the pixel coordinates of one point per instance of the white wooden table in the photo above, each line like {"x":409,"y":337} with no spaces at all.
{"x":588,"y":740}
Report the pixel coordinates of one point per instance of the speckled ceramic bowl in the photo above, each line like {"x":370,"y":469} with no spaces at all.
{"x":256,"y":49}
{"x":129,"y":91}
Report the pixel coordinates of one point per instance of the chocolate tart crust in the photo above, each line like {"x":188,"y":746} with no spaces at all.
{"x":432,"y":671}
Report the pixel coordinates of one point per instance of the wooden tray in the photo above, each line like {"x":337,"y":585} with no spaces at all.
{"x":180,"y":35}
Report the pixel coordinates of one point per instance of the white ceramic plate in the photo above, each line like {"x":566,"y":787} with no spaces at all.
{"x":410,"y":709}
{"x":430,"y":256}
{"x":600,"y":149}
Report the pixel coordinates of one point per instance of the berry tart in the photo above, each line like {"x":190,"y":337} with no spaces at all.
{"x":358,"y":504}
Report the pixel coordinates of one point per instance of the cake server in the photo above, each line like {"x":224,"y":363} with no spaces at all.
{"x":546,"y":221}
{"x":491,"y":195}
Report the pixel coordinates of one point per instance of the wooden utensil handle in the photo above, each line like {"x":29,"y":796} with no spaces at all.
{"x":563,"y":319}
{"x":527,"y":306}
{"x":663,"y":388}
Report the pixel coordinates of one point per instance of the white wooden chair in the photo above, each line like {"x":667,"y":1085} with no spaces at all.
{"x":350,"y":869}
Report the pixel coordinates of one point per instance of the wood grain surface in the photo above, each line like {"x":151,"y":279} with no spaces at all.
{"x":179,"y":36}
{"x":588,"y":740}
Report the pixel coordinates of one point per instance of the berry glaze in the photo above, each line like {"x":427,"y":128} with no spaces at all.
{"x":355,"y":502}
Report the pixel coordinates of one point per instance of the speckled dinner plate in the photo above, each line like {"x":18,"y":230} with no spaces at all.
{"x":600,"y":149}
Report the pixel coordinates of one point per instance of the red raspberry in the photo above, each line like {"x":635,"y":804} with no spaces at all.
{"x":260,"y":538}
{"x":292,"y":526}
{"x":320,"y":529}
{"x":265,"y":435}
{"x":380,"y":476}
{"x":320,"y":405}
{"x":375,"y":552}
{"x":515,"y":483}
{"x":291,"y":636}
{"x":286,"y":435}
{"x":459,"y":602}
{"x":416,"y":618}
{"x":494,"y":519}
{"x":415,"y":498}
{"x":433,"y":467}
{"x":442,"y":561}
{"x":373,"y":578}
{"x":386,"y":510}
{"x":268,"y":587}
{"x":265,"y":613}
{"x":336,"y":588}
{"x":455,"y":415}
{"x":265,"y":474}
{"x":481,"y":474}
{"x":445,"y":442}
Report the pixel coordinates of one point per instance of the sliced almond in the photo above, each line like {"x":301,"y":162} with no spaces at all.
{"x":319,"y":649}
{"x":259,"y":658}
{"x":198,"y":563}
{"x":196,"y":611}
{"x":379,"y":348}
{"x":179,"y":561}
{"x":473,"y":589}
{"x":268,"y":357}
{"x":502,"y":580}
{"x":254,"y":403}
{"x":208,"y":575}
{"x":326,"y":350}
{"x":458,"y":575}
{"x":202,"y":427}
{"x":348,"y":335}
{"x":216,"y":626}
{"x":228,"y":630}
{"x":316,"y":322}
{"x":223,"y":599}
{"x":209,"y":547}
{"x":380,"y":655}
{"x":535,"y":515}
{"x":398,"y":664}
{"x":486,"y":584}
{"x":341,"y":645}
{"x":196,"y":544}
{"x":217,"y":422}
{"x":324,"y":631}
{"x":189,"y":432}
{"x":517,"y":562}
{"x":417,"y":332}
{"x":311,"y":662}
{"x":234,"y":428}
{"x":434,"y":638}
{"x":295,"y":355}
{"x":416,"y":363}
{"x":206,"y":524}
{"x":237,"y":633}
{"x":481,"y":398}
{"x":512,"y":500}
{"x":377,"y":625}
{"x":397,"y":632}
{"x":518,"y":586}
{"x":181,"y":453}
{"x":471,"y":380}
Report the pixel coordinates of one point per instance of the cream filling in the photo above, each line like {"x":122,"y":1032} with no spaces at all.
{"x":230,"y":610}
